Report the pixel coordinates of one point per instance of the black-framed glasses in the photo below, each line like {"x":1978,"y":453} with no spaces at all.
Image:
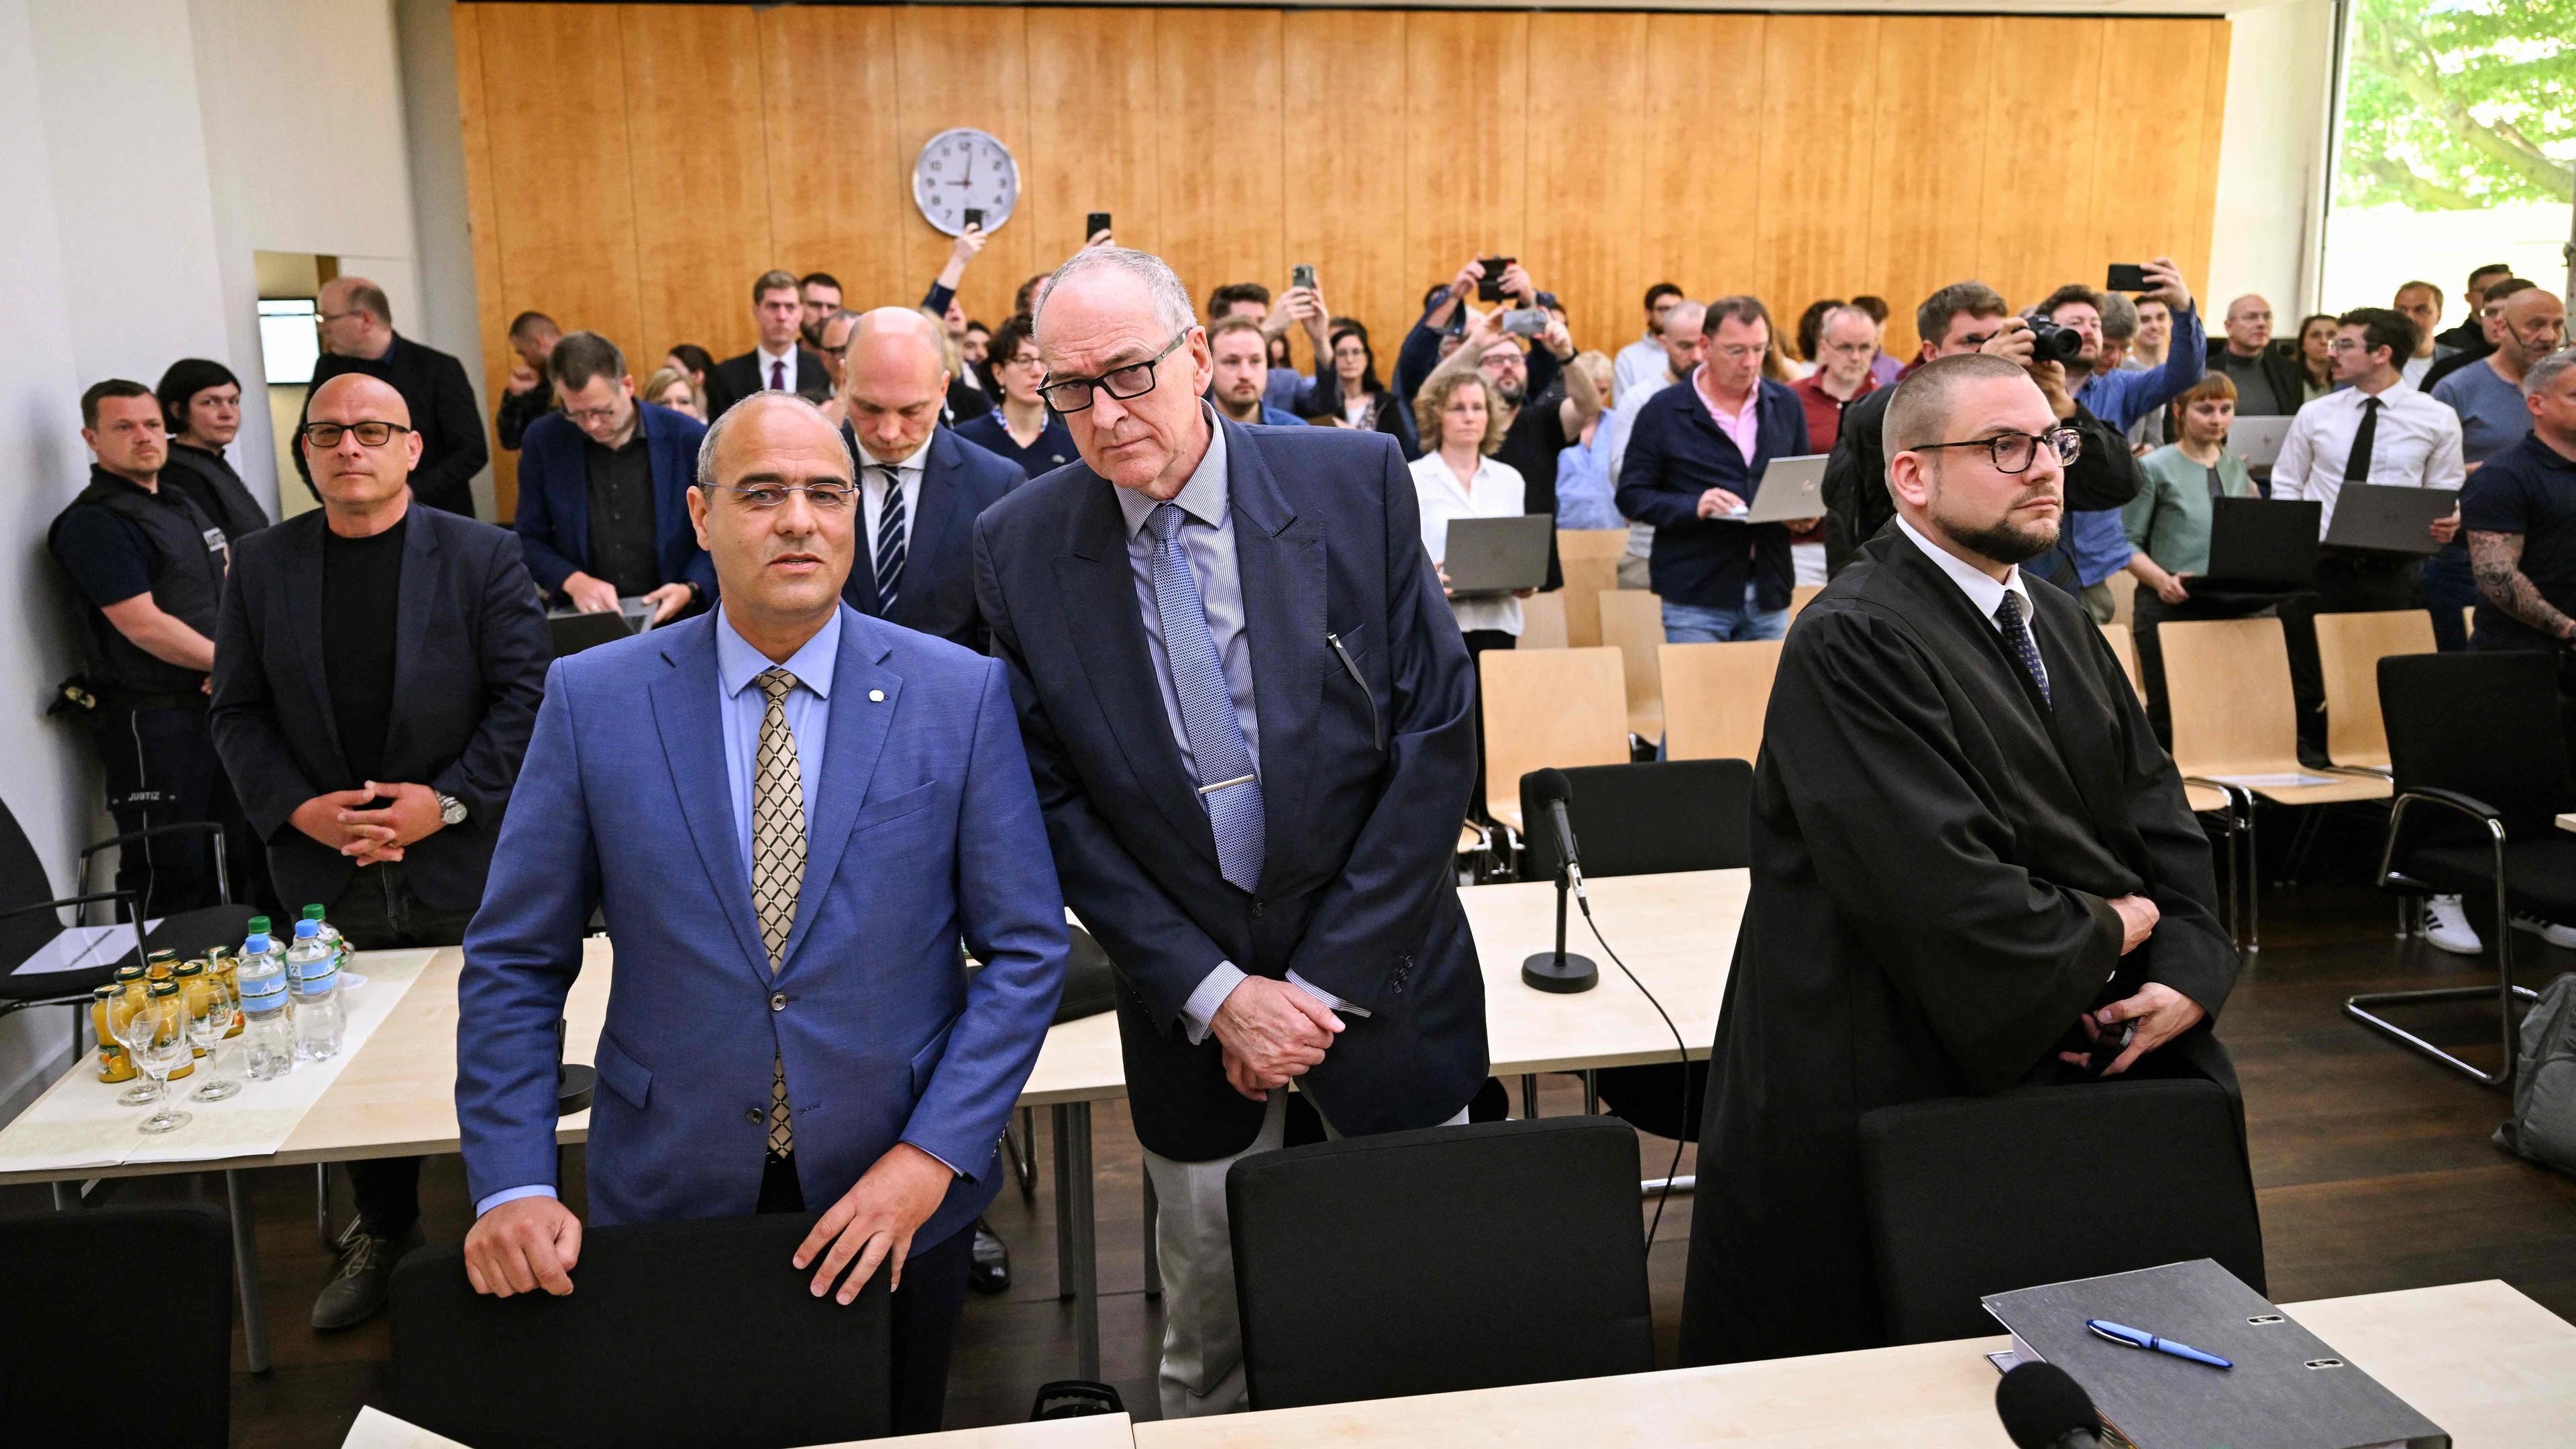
{"x":326,"y":436}
{"x":1136,"y":379}
{"x":2014,"y":452}
{"x":821,"y":497}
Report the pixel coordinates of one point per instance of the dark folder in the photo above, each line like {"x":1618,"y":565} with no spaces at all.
{"x":575,"y":632}
{"x":2288,"y":1390}
{"x":2261,"y":545}
{"x":2389,"y":519}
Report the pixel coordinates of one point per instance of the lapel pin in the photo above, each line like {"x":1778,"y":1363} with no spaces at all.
{"x":876,"y":696}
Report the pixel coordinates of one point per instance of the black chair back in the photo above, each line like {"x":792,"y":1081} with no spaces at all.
{"x":1663,"y":815}
{"x":691,"y":1333}
{"x":119,"y":1327}
{"x":23,"y":883}
{"x":1451,"y":1258}
{"x":2481,"y":723}
{"x":1977,"y":1195}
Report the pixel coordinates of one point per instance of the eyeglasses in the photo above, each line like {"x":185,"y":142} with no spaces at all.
{"x":2014,"y":452}
{"x":324,"y":318}
{"x":327,"y":436}
{"x":592,"y":415}
{"x":1073,"y":394}
{"x":821,"y":497}
{"x":1740,"y":352}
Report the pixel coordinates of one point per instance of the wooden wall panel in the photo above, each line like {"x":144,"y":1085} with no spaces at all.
{"x":1819,"y":130}
{"x":840,"y":199}
{"x":1092,"y":130}
{"x":2153,"y":158}
{"x":2042,"y":157}
{"x":1339,"y":69}
{"x":964,"y":65}
{"x":2196,"y":240}
{"x":1703,"y":75}
{"x":1924,"y":217}
{"x":1223,"y":165}
{"x":700,"y":175}
{"x":1466,"y":110}
{"x":1587,"y":180}
{"x":491,"y":314}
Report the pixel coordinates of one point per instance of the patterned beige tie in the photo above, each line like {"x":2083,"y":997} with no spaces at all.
{"x":777,"y":861}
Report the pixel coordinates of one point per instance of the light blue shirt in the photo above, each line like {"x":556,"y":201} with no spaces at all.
{"x":2095,"y":538}
{"x":1584,"y":487}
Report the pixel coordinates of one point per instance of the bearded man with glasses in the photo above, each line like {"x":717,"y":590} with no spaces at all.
{"x":377,"y":669}
{"x":1973,"y":869}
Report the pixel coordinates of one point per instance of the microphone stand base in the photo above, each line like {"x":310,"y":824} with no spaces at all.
{"x":1563,"y":974}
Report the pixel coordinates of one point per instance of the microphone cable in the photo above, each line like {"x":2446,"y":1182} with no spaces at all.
{"x":1679,"y":1046}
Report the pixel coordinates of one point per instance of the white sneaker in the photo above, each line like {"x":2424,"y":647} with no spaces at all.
{"x":2563,"y":937}
{"x":2446,"y":927}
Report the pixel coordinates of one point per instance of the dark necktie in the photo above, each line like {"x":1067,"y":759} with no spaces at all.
{"x":2017,"y":639}
{"x":889,"y":541}
{"x":1228,"y":786}
{"x":777,"y":375}
{"x":2356,"y":468}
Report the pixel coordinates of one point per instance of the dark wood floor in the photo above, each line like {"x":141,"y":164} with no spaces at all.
{"x":2373,"y":1166}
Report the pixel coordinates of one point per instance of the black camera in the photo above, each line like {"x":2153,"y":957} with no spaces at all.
{"x":2052,"y":343}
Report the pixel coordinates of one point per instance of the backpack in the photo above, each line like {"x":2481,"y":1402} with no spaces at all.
{"x":2543,"y":1124}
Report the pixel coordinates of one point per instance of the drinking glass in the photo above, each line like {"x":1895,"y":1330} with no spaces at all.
{"x":158,"y":1051}
{"x":130,"y":1028}
{"x":206,"y":1031}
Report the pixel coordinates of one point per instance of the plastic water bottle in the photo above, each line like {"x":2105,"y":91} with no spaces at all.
{"x":268,"y":1035}
{"x":330,"y":935}
{"x":314,"y":968}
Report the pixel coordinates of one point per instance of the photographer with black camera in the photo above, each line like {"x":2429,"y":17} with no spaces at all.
{"x":1961,"y":318}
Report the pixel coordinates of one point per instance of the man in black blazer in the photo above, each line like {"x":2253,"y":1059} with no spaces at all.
{"x":1245,"y":703}
{"x":778,"y":364}
{"x":358,"y":336}
{"x":604,"y":490}
{"x":377,"y":673}
{"x":921,"y":484}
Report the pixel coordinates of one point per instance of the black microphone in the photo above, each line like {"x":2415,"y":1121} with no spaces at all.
{"x":2043,"y":1408}
{"x":1554,"y":970}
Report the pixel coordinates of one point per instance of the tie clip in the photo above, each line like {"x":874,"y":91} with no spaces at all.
{"x":1225,"y":784}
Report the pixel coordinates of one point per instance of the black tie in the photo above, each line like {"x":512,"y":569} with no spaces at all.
{"x":2356,"y":469}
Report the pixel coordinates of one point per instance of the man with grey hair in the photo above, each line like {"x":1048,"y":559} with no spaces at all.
{"x":1246,"y":704}
{"x":357,"y":324}
{"x":1963,"y":833}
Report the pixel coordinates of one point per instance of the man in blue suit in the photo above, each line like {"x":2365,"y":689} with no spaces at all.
{"x":1246,"y":705}
{"x":603,"y":490}
{"x":923,"y":485}
{"x":848,"y":800}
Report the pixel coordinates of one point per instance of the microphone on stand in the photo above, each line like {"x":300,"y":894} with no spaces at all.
{"x":1555,"y":970}
{"x":2043,"y":1408}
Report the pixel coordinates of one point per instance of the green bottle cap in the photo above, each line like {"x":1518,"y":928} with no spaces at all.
{"x":259,"y":925}
{"x":313,"y":912}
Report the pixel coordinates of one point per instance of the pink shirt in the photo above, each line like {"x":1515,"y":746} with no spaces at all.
{"x":1740,"y":425}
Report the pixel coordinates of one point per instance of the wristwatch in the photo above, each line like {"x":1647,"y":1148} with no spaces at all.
{"x":451,"y":811}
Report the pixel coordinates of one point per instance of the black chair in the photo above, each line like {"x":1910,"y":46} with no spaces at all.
{"x":1645,"y":819}
{"x":119,"y":1327}
{"x":2476,"y":736}
{"x":676,"y":1334}
{"x":1969,"y":1196}
{"x":1451,"y":1258}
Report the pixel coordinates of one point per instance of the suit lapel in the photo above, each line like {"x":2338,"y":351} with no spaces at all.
{"x":1282,"y":570}
{"x":1936,"y":591}
{"x":860,"y":591}
{"x":421,"y":584}
{"x":935,"y":513}
{"x":571,"y":501}
{"x":686,"y":704}
{"x":303,"y":585}
{"x":2080,"y":723}
{"x":851,"y":745}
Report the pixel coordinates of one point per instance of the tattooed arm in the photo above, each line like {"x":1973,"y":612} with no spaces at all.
{"x":2497,"y":560}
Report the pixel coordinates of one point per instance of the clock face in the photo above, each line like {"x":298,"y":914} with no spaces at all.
{"x":961,"y":168}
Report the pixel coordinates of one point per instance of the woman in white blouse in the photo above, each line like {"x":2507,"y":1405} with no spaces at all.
{"x":1455,"y":478}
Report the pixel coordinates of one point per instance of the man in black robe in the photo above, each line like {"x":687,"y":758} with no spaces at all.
{"x":1969,"y":856}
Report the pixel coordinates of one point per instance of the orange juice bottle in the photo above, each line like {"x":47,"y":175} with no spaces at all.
{"x":194,"y":987}
{"x":105,"y":1004}
{"x":220,"y":965}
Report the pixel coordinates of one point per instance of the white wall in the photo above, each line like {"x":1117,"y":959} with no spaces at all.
{"x":2271,"y":163}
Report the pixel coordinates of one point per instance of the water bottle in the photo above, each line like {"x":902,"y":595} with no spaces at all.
{"x":314,"y":968}
{"x":330,"y":935}
{"x":268,"y":1035}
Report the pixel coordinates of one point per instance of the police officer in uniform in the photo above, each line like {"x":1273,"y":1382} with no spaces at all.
{"x":148,"y":566}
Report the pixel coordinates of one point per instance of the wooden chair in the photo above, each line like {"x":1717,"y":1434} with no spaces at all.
{"x":1548,"y":707}
{"x":2228,"y":684}
{"x":2124,"y":594}
{"x":2349,"y":648}
{"x":1543,"y":622}
{"x":1800,"y":597}
{"x":1632,"y":621}
{"x":1590,"y":557}
{"x":2124,"y":647}
{"x":1715,"y":696}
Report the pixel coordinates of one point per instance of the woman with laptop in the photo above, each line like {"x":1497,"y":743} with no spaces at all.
{"x":1460,"y":478}
{"x":2169,"y":524}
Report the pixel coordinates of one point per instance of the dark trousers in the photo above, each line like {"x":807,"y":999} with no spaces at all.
{"x":160,"y":768}
{"x":2449,"y":588}
{"x":926,"y":1308}
{"x":2348,"y":582}
{"x":1478,"y":641}
{"x":2150,"y":611}
{"x":378,"y":911}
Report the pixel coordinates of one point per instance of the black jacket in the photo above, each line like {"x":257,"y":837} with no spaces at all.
{"x":1857,"y":504}
{"x":452,"y":449}
{"x":936,"y":594}
{"x":185,"y":563}
{"x":2280,"y":371}
{"x":737,"y":378}
{"x":210,"y":482}
{"x":471,"y":651}
{"x":516,"y":410}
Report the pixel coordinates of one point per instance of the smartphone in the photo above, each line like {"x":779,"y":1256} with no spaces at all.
{"x":1302,"y":275}
{"x":1095,"y":224}
{"x":1524,"y":322}
{"x":2126,"y":278}
{"x":1491,"y":288}
{"x":974,"y":216}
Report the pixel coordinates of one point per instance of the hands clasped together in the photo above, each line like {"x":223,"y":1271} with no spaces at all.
{"x":1271,"y":1031}
{"x":2161,"y":1012}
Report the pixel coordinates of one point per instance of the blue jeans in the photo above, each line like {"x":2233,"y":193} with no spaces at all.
{"x":1692,"y":624}
{"x":2449,"y":587}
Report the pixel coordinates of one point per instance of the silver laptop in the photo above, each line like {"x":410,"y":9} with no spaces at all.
{"x":2258,"y":440}
{"x":1789,"y":488}
{"x":2389,"y":519}
{"x":1497,"y":555}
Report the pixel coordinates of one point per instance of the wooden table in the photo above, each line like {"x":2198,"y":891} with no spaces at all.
{"x":2567,"y":821}
{"x":377,"y":1429}
{"x":2479,"y":1359}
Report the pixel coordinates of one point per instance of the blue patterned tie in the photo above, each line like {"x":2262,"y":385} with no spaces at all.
{"x":889,"y":561}
{"x":2017,"y":639}
{"x":1227,"y":786}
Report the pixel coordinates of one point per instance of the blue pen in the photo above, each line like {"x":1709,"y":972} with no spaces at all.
{"x":2128,"y":1337}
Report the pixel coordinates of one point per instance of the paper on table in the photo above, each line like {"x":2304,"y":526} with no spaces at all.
{"x":79,"y":948}
{"x":2285,"y":780}
{"x":377,"y":1429}
{"x":77,"y":1123}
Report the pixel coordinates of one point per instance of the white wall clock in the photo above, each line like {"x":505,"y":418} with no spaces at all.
{"x":961,"y":168}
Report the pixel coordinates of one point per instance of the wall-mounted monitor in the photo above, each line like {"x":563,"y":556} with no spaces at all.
{"x":289,"y":341}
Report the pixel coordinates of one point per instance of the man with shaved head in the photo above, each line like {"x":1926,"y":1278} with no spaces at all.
{"x":1973,"y":869}
{"x":2266,"y":378}
{"x":357,"y":324}
{"x":1246,"y":704}
{"x":849,"y":800}
{"x":377,"y":670}
{"x":923,"y":485}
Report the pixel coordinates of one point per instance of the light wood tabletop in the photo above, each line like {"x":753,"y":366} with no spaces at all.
{"x":2487,"y":1364}
{"x":2567,"y":821}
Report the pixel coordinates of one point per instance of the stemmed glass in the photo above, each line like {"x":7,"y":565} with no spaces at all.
{"x":142,"y":1093}
{"x":157,"y":1037}
{"x":206,"y":1033}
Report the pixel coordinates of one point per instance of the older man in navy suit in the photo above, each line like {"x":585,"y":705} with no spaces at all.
{"x":604,"y":490}
{"x":1246,"y":704}
{"x":854,"y":802}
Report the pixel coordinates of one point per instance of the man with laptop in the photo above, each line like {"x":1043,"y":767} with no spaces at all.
{"x":2384,"y":460}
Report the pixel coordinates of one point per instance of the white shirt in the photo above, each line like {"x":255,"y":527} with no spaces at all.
{"x":1640,"y":364}
{"x":763,"y":357}
{"x":1495,"y":492}
{"x":1976,"y":583}
{"x":2415,"y":445}
{"x":872,"y":494}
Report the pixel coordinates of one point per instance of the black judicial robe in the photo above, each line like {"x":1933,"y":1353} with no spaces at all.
{"x":1934,"y":848}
